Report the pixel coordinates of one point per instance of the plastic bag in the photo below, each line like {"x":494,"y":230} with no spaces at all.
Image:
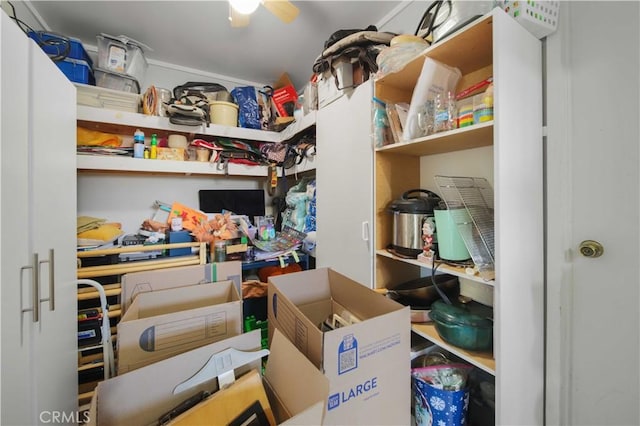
{"x":435,"y":78}
{"x":254,"y":107}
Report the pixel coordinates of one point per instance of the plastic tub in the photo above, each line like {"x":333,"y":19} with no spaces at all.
{"x":56,"y":45}
{"x":450,"y":244}
{"x":116,"y":81}
{"x":224,"y":113}
{"x":76,"y":71}
{"x":121,"y":55}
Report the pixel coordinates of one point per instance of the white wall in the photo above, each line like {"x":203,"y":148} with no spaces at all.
{"x":129,"y":199}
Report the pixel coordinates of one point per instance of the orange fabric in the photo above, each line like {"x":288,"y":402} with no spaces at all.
{"x":268,"y":271}
{"x":86,"y":137}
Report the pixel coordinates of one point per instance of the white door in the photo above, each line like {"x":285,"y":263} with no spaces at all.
{"x":53,"y":210}
{"x":593,"y":194}
{"x":39,"y":350}
{"x":16,"y":286}
{"x":344,"y":177}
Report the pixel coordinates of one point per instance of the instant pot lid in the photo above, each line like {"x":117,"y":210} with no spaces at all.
{"x":422,"y":203}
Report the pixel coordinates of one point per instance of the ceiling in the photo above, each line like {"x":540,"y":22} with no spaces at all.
{"x":198,"y":35}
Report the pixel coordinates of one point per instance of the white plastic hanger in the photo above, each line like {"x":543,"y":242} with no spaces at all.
{"x":221,"y":365}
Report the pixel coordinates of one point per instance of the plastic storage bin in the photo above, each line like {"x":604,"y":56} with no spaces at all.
{"x":122,"y":55}
{"x":76,"y":71}
{"x":224,"y":113}
{"x":540,"y":18}
{"x":58,"y":45}
{"x":116,"y":81}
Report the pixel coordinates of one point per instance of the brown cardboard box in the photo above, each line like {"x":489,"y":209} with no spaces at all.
{"x":162,"y":324}
{"x":142,"y":396}
{"x":175,"y":154}
{"x":367,"y":363}
{"x":140,"y":282}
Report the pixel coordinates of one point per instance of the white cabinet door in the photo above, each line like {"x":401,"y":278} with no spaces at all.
{"x":344,"y":177}
{"x":16,"y":283}
{"x":53,"y":233}
{"x":39,"y":349}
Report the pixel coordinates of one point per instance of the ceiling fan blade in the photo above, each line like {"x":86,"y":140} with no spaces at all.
{"x":283,"y":9}
{"x":237,"y":19}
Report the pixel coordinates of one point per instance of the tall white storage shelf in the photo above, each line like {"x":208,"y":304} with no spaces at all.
{"x":493,"y":45}
{"x":38,"y":178}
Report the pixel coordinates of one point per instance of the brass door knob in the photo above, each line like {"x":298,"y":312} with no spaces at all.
{"x":590,"y":248}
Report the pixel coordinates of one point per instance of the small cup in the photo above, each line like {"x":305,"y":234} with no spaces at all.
{"x":202,"y":154}
{"x":176,"y":224}
{"x":177,"y":141}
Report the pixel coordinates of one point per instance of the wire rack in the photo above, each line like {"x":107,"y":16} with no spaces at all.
{"x":470,"y":202}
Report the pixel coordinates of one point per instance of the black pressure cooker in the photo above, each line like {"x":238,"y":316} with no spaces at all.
{"x":409,"y":214}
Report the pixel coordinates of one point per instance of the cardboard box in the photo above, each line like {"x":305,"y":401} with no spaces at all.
{"x":179,"y":237}
{"x":142,"y":396}
{"x":162,"y":324}
{"x":141,"y":282}
{"x":367,"y":363}
{"x":175,"y":154}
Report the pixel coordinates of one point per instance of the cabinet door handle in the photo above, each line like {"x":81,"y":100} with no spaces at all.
{"x":52,"y":295}
{"x":35,"y":288}
{"x":365,"y":231}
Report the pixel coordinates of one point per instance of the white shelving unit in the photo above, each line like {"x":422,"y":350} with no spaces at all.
{"x":494,"y":45}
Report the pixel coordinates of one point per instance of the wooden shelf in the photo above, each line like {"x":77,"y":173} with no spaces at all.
{"x":121,"y":164}
{"x":459,"y":272}
{"x":89,"y":366}
{"x":140,"y":247}
{"x":484,"y":361}
{"x":90,"y":293}
{"x":121,"y":122}
{"x":469,"y":49}
{"x":475,"y":136}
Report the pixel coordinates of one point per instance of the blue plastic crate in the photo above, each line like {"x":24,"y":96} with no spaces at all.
{"x":77,"y":71}
{"x":56,"y":45}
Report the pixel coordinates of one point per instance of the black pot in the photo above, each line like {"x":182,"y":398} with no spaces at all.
{"x":421,"y":293}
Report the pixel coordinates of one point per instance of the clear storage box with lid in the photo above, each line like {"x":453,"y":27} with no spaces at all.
{"x":122,"y":54}
{"x":116,"y":81}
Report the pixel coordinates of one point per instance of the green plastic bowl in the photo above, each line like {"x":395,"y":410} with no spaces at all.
{"x":461,"y":328}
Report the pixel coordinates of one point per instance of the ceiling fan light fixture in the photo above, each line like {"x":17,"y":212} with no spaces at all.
{"x":245,"y":7}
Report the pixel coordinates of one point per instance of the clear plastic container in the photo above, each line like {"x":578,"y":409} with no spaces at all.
{"x":483,"y":106}
{"x":122,"y":55}
{"x":116,"y":81}
{"x":445,"y":116}
{"x":465,"y":112}
{"x":220,"y":251}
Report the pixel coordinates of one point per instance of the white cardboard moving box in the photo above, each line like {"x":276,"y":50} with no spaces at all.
{"x":147,"y":281}
{"x":296,"y":389}
{"x":161,"y":324}
{"x":367,"y":363}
